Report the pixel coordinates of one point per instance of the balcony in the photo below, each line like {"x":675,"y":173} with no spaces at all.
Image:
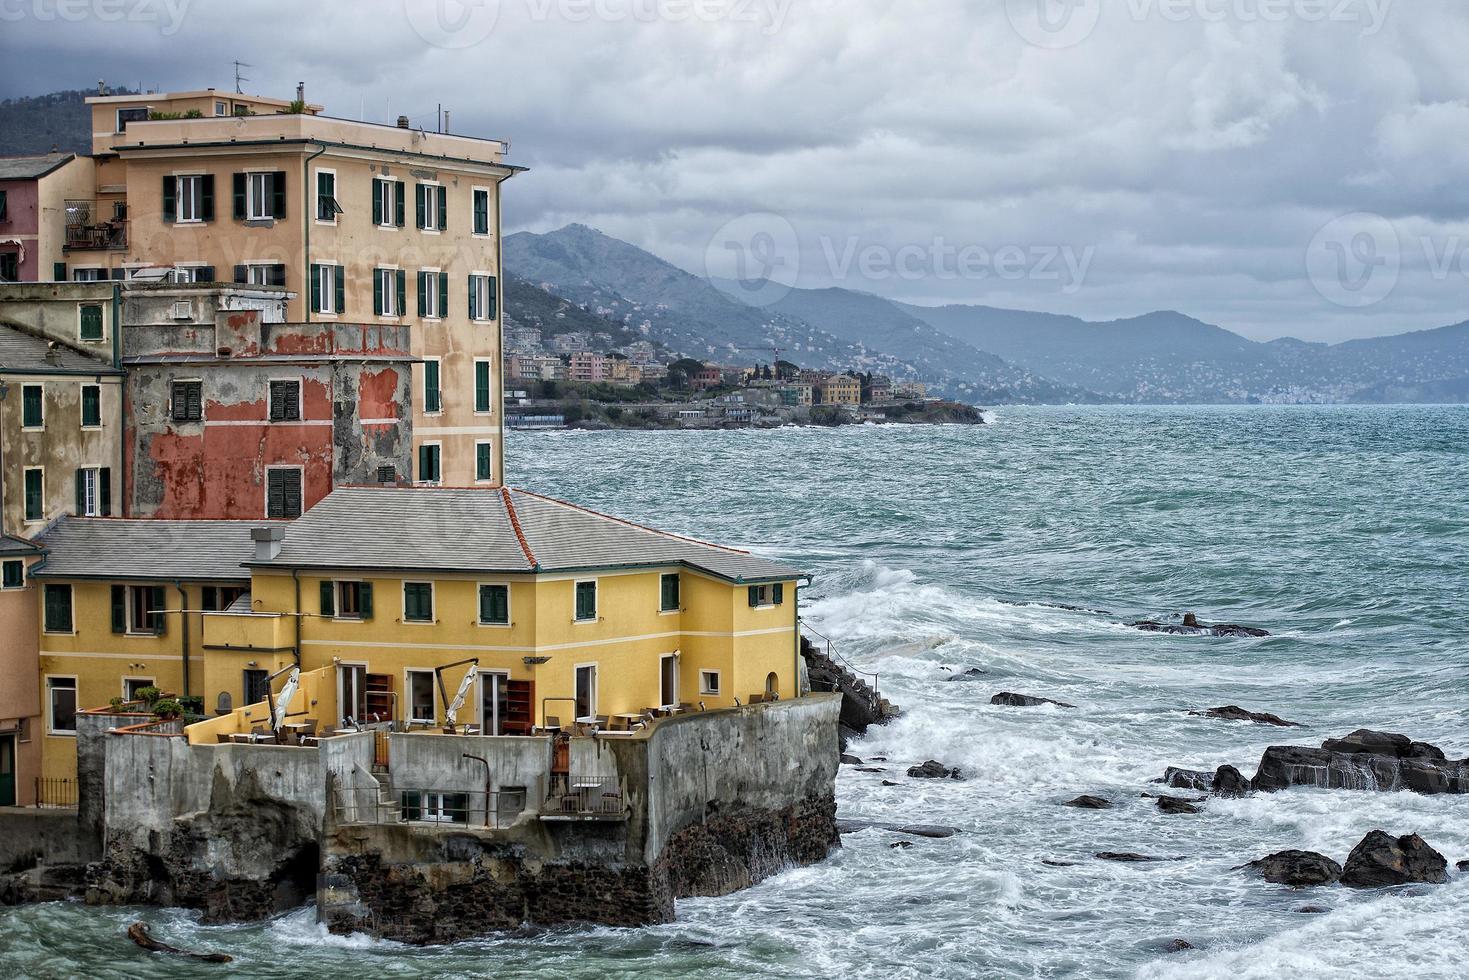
{"x":93,"y":227}
{"x":248,"y":632}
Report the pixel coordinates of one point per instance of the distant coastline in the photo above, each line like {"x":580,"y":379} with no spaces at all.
{"x":588,"y":415}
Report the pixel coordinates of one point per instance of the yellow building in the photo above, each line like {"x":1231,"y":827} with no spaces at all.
{"x":363,"y":223}
{"x":840,"y":389}
{"x":565,"y":615}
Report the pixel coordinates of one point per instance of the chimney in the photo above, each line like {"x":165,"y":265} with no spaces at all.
{"x":402,"y":122}
{"x":300,"y":91}
{"x":101,"y":87}
{"x":268,"y":541}
{"x":52,"y":352}
{"x":446,"y":120}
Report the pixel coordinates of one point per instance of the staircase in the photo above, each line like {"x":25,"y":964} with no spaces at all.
{"x":862,"y":704}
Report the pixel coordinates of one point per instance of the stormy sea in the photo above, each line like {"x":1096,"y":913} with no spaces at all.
{"x":956,"y":562}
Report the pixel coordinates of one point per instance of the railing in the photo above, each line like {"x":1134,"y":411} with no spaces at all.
{"x":584,"y":796}
{"x":56,"y":794}
{"x":446,"y":807}
{"x":87,"y":228}
{"x":832,"y":655}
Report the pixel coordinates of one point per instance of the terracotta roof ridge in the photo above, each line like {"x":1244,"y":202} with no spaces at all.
{"x":515,"y":523}
{"x":624,"y":521}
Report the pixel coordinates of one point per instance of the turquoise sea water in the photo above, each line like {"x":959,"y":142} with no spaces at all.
{"x":1344,"y":531}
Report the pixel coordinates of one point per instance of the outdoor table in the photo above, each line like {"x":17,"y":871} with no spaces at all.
{"x":628,"y":719}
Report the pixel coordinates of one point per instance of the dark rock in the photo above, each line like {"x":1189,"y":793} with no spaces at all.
{"x":888,"y":782}
{"x":1054,"y":863}
{"x":1192,"y":627}
{"x":1172,"y":804}
{"x":869,"y":769}
{"x":1187,"y":779}
{"x":1164,"y":796}
{"x":1462,"y":865}
{"x":972,"y":674}
{"x":862,"y":706}
{"x":1298,"y":869}
{"x":1127,"y":857}
{"x":877,"y":758}
{"x":1381,"y":860}
{"x":1364,"y":741}
{"x":933,"y":770}
{"x":901,"y":844}
{"x":1363,"y":760}
{"x":1234,"y":712}
{"x":930,"y":830}
{"x":1313,"y":910}
{"x":850,"y":760}
{"x":1089,"y":803}
{"x":1230,"y":782}
{"x":1010,"y":700}
{"x":1179,"y":945}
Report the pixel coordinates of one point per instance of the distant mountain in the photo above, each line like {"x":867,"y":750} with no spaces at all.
{"x":530,"y":305}
{"x":37,"y":124}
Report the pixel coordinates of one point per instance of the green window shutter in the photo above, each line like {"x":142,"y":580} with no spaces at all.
{"x":278,"y":194}
{"x":328,"y":599}
{"x":483,"y":464}
{"x":431,"y":400}
{"x":58,"y":271}
{"x":91,"y":322}
{"x":239,"y":196}
{"x":754,"y":596}
{"x":423,"y":462}
{"x":779,"y":590}
{"x":377,"y":291}
{"x":481,"y":212}
{"x":494,"y":298}
{"x":339,"y":284}
{"x":420,"y":209}
{"x":422,"y":293}
{"x":443,"y":195}
{"x":81,"y":508}
{"x":58,"y":608}
{"x":377,"y":202}
{"x":170,"y":199}
{"x":402,"y":291}
{"x":443,"y":294}
{"x":35,"y":507}
{"x":365,"y":599}
{"x":119,"y":609}
{"x":398,"y":202}
{"x":315,"y":288}
{"x":206,"y":197}
{"x":156,"y":601}
{"x":32,"y":408}
{"x":481,"y":386}
{"x":104,"y":491}
{"x":473,"y":295}
{"x":670,"y":601}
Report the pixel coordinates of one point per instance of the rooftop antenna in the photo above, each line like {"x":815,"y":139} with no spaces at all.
{"x":240,"y":78}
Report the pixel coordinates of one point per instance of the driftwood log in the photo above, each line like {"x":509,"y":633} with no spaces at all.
{"x":138,"y":933}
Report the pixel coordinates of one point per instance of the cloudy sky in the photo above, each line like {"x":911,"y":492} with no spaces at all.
{"x":1278,"y":167}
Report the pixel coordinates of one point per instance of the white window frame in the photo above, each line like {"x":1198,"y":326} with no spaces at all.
{"x":51,"y":728}
{"x":256,"y":274}
{"x":430,"y":206}
{"x":418,"y":477}
{"x":182,"y":269}
{"x":596,"y":690}
{"x":481,"y":280}
{"x":491,"y":725}
{"x":258,"y":196}
{"x":390,"y":203}
{"x":489,"y":231}
{"x":24,"y":578}
{"x":712,"y":690}
{"x":91,"y":491}
{"x":337,"y":614}
{"x":433,"y":302}
{"x":316,"y":195}
{"x":484,"y":481}
{"x":300,"y":384}
{"x":130,"y":626}
{"x":596,"y":601}
{"x":195,"y":199}
{"x":433,"y":689}
{"x":767,"y":592}
{"x":679,"y":608}
{"x":33,"y":384}
{"x":221,"y":108}
{"x":509,"y":611}
{"x":389,"y":274}
{"x":75,"y":277}
{"x":677,"y":680}
{"x":475,"y":369}
{"x":330,"y":272}
{"x":81,"y":400}
{"x":149,"y":682}
{"x":265,"y":489}
{"x":351,"y":665}
{"x":433,"y":602}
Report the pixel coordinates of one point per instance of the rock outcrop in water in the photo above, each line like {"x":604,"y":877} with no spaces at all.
{"x":1381,"y":860}
{"x":1176,"y":778}
{"x":1298,"y":869}
{"x":933,"y":770}
{"x":1089,"y":803}
{"x":1009,"y":700}
{"x":1363,"y":760}
{"x":1175,"y":805}
{"x":1192,"y":627}
{"x":1234,"y":712}
{"x":1229,"y":782}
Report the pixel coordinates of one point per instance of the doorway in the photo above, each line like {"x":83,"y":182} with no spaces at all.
{"x":351,"y":693}
{"x":668,"y":680}
{"x":494,"y":703}
{"x":7,"y":770}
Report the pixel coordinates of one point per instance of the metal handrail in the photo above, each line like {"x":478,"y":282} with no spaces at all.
{"x":446,"y":807}
{"x":832,"y":654}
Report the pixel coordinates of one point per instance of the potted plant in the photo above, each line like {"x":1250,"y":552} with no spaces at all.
{"x":167,"y":709}
{"x":148,"y":695}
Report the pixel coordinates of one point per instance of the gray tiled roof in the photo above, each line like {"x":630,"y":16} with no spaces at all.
{"x":109,"y":548}
{"x":11,"y":546}
{"x":21,"y":351}
{"x":29,"y":168}
{"x":477,"y":530}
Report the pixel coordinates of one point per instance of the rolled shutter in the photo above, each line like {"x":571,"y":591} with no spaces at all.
{"x":278,"y":194}
{"x":493,"y":295}
{"x":402,"y":292}
{"x":443,"y":195}
{"x":398,"y":203}
{"x":315,"y":288}
{"x":239,"y":196}
{"x":170,"y":198}
{"x":206,"y":197}
{"x":156,"y":603}
{"x":119,"y":609}
{"x":377,"y":202}
{"x":420,"y":210}
{"x":365,"y":599}
{"x":422,"y":293}
{"x":377,"y":292}
{"x":328,"y":599}
{"x":104,"y":491}
{"x":339,"y":283}
{"x":293,"y":494}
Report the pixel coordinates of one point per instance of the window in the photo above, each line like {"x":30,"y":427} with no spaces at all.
{"x":57,"y":602}
{"x":388,"y":292}
{"x":482,"y":400}
{"x":436,"y":807}
{"x":221,"y":108}
{"x":586,"y":602}
{"x":14,"y":574}
{"x":138,"y":610}
{"x":709,"y":682}
{"x":4,"y":206}
{"x":90,"y":329}
{"x":257,"y":686}
{"x":62,"y":694}
{"x":762,"y":596}
{"x":35,"y":494}
{"x":586,"y":692}
{"x":94,"y":491}
{"x":346,"y":600}
{"x":482,"y":297}
{"x":481,"y":211}
{"x":260,"y":196}
{"x":283,"y":492}
{"x":668,"y":679}
{"x":32,"y":407}
{"x":494,"y":605}
{"x":9,"y":267}
{"x":418,"y":602}
{"x":669,"y":598}
{"x":188,"y":401}
{"x":125,"y":116}
{"x":428,"y":462}
{"x":90,"y":274}
{"x":327,"y":208}
{"x":387,"y":202}
{"x":132,"y":685}
{"x":193,"y":273}
{"x":433,"y":293}
{"x":217,"y":598}
{"x":188,"y":199}
{"x":261,"y":274}
{"x":387,"y":474}
{"x":484,"y":461}
{"x":91,"y":406}
{"x":328,"y":288}
{"x":433,"y":400}
{"x":285,"y":401}
{"x":421,"y":707}
{"x":432,"y":206}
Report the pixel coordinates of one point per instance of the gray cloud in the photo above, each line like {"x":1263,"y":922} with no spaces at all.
{"x":1195,"y":147}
